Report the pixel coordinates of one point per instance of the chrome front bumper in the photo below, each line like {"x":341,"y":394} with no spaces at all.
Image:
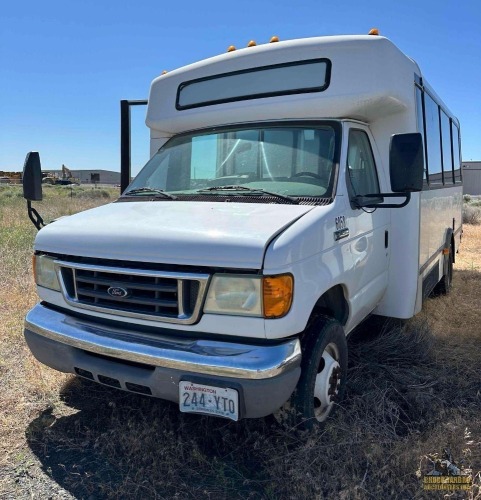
{"x":206,"y":357}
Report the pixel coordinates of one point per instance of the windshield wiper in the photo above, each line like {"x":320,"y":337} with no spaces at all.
{"x":146,"y":191}
{"x":262,"y":192}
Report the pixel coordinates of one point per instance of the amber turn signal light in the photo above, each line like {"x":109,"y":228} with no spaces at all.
{"x":277,"y":295}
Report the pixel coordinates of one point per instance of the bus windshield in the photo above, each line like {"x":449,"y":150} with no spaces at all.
{"x":295,"y":161}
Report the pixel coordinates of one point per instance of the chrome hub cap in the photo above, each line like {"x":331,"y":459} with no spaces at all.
{"x":327,"y":383}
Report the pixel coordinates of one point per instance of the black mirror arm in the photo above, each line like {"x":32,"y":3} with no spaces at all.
{"x":34,"y":216}
{"x":360,"y":201}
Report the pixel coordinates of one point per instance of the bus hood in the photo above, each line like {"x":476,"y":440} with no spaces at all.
{"x":233,"y":235}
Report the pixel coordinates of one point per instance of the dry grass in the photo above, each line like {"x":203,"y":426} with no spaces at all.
{"x":412,"y":391}
{"x":472,"y":210}
{"x":469,"y":258}
{"x":24,"y":383}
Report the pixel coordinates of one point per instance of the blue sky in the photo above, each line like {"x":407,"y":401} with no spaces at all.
{"x":66,"y":65}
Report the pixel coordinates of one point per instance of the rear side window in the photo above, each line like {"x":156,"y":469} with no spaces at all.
{"x":446,"y":148}
{"x":360,"y":164}
{"x":433,"y":141}
{"x":456,"y":153}
{"x":441,"y":141}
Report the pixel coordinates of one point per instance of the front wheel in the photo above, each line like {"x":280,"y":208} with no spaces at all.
{"x":323,"y":375}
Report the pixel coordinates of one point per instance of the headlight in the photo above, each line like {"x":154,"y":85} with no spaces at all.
{"x":234,"y":295}
{"x":44,"y":272}
{"x":268,"y":296}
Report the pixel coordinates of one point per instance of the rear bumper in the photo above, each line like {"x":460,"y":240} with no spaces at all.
{"x":264,"y":375}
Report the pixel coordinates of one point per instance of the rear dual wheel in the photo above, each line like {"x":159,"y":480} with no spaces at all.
{"x":446,"y":282}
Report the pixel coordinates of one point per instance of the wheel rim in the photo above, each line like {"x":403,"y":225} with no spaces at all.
{"x":327,"y":384}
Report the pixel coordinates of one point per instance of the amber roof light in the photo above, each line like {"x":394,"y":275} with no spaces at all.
{"x":374,"y":31}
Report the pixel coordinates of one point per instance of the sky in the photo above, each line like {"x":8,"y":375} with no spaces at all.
{"x":65,"y":65}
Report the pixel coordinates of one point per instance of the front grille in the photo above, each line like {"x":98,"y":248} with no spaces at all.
{"x":166,"y":296}
{"x":148,"y":295}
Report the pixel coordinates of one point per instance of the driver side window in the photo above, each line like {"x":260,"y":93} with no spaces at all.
{"x":360,"y":164}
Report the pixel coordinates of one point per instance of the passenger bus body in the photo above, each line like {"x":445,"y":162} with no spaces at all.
{"x":261,"y":232}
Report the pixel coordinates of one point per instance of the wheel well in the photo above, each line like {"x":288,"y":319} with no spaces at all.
{"x":333,"y":304}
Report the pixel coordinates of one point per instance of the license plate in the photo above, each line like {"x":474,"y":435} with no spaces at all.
{"x":219,"y":401}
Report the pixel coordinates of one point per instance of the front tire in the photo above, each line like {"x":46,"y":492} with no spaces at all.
{"x":323,"y":375}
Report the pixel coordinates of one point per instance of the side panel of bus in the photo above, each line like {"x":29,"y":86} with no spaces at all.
{"x":441,"y":199}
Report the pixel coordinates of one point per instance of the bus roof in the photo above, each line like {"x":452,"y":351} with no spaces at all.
{"x":360,"y":77}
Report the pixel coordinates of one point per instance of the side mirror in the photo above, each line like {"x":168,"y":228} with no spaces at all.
{"x":32,"y":177}
{"x":32,"y":186}
{"x":406,"y":163}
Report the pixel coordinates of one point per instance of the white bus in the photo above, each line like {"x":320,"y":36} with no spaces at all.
{"x":294,"y":188}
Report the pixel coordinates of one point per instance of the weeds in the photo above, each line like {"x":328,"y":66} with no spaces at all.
{"x":87,"y":192}
{"x":471,"y":214}
{"x":471,"y":209}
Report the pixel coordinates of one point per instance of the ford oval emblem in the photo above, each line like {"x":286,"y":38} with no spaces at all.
{"x":117,"y":291}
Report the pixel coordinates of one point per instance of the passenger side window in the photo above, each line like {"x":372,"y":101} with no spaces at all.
{"x":360,"y":164}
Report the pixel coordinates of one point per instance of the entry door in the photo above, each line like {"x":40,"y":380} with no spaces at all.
{"x":368,"y":227}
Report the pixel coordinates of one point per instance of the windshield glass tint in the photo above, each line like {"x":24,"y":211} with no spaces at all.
{"x":293,"y":161}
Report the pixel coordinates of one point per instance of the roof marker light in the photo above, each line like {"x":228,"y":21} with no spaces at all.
{"x":252,"y":43}
{"x":230,"y":48}
{"x":164,"y":72}
{"x":274,"y":39}
{"x":374,"y":31}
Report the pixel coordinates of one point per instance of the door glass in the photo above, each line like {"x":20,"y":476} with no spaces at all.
{"x":360,"y":164}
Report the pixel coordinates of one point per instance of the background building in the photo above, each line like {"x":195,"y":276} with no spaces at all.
{"x":471,"y":177}
{"x":89,"y":176}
